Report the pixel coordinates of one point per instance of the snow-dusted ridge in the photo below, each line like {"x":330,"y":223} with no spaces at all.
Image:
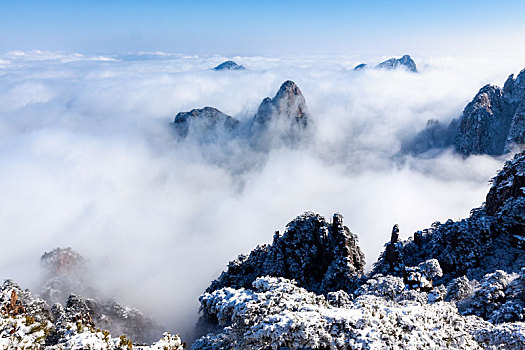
{"x":456,"y":285}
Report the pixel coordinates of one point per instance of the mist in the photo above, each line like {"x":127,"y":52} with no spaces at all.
{"x":88,"y":159}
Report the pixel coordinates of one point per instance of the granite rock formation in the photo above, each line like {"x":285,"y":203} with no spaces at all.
{"x":204,"y":122}
{"x":492,"y":123}
{"x":361,"y":66}
{"x":488,"y":240}
{"x":393,"y":63}
{"x":67,"y":281}
{"x":229,"y":65}
{"x":31,"y":324}
{"x":457,"y":285}
{"x":319,"y":255}
{"x":281,"y":119}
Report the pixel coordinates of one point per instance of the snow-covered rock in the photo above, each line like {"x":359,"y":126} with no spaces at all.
{"x":26,"y":322}
{"x":204,"y":123}
{"x":320,"y":256}
{"x":393,"y":63}
{"x":492,"y":123}
{"x":277,"y":314}
{"x":480,"y":244}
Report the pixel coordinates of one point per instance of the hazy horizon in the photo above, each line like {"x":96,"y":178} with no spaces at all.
{"x":264,"y":28}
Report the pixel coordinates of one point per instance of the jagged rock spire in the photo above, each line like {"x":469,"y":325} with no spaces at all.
{"x":320,"y":256}
{"x":288,"y":103}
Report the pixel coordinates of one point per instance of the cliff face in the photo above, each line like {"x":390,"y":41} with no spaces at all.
{"x":492,"y":123}
{"x":204,"y":123}
{"x":288,"y":103}
{"x":482,"y":129}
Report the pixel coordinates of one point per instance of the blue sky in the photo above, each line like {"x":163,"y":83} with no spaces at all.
{"x":263,"y":27}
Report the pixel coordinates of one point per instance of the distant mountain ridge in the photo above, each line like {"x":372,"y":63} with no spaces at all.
{"x":393,"y":63}
{"x":281,"y":118}
{"x":229,"y":65}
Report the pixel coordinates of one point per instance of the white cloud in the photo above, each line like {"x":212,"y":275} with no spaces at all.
{"x":88,"y":160}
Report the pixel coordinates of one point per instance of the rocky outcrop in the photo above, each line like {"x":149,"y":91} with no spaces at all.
{"x":229,"y":65}
{"x":204,"y":122}
{"x":65,"y":272}
{"x":435,"y":136}
{"x":456,"y":285}
{"x":288,"y":104}
{"x":281,"y":119}
{"x":67,"y":281}
{"x":484,"y":126}
{"x":480,"y":244}
{"x":492,"y":123}
{"x":319,"y":255}
{"x":393,"y":63}
{"x":507,"y":185}
{"x":26,"y":322}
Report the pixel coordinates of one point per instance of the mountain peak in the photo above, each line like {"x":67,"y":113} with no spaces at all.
{"x":394,"y":63}
{"x":288,"y":102}
{"x":206,"y":118}
{"x":229,"y":65}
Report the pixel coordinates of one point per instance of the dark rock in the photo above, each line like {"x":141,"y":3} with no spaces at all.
{"x":282,"y":119}
{"x":484,"y":126}
{"x":361,"y":66}
{"x":204,"y":121}
{"x":393,"y":63}
{"x":288,"y":103}
{"x":394,"y":237}
{"x":418,"y":237}
{"x":508,"y":184}
{"x":474,"y":246}
{"x":321,"y":257}
{"x":492,"y":123}
{"x":434,"y":136}
{"x":229,"y":65}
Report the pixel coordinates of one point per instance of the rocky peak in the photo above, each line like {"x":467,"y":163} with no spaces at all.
{"x":319,"y":255}
{"x":484,"y":126}
{"x":288,"y":103}
{"x":509,"y":183}
{"x":394,"y":63}
{"x":514,"y":88}
{"x":492,"y":123}
{"x":361,"y":66}
{"x":229,"y":65}
{"x":61,"y":260}
{"x":204,"y":120}
{"x":491,"y":238}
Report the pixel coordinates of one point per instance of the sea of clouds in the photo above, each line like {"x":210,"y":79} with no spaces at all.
{"x":88,"y":159}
